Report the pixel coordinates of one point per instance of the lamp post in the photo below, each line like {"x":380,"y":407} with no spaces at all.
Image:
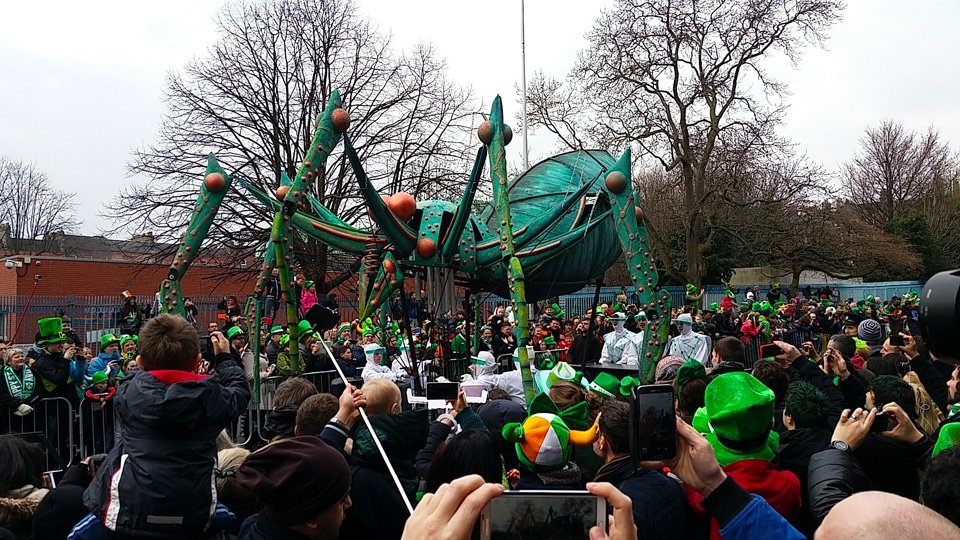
{"x":523,"y":74}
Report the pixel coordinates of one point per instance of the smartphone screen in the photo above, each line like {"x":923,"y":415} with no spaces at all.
{"x":536,"y":515}
{"x":443,"y":390}
{"x":770,"y":350}
{"x":896,"y":326}
{"x":653,"y":422}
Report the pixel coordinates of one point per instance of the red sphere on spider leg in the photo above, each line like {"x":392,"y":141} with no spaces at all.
{"x":341,"y":120}
{"x":281,"y":192}
{"x":485,"y":132}
{"x":616,"y":182}
{"x":389,"y":266}
{"x":426,"y":247}
{"x":214,"y":182}
{"x":639,"y":213}
{"x":402,"y":204}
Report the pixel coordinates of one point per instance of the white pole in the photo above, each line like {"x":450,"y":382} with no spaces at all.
{"x":523,"y":58}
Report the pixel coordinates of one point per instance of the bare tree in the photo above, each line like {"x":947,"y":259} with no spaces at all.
{"x":895,"y":170}
{"x":253,"y":100}
{"x":678,"y":78}
{"x":33,"y":209}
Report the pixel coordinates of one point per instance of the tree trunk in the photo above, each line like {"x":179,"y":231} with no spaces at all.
{"x":795,"y":281}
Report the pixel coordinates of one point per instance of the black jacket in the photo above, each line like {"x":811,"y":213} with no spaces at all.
{"x":660,"y":508}
{"x":157,"y":481}
{"x":894,"y":465}
{"x":832,"y":476}
{"x":54,"y":372}
{"x":796,"y":449}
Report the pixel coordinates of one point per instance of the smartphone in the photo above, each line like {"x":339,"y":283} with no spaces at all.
{"x":770,"y":350}
{"x":653,"y":423}
{"x":95,"y":462}
{"x":443,"y":390}
{"x":883,"y":422}
{"x":896,"y":326}
{"x":535,"y":515}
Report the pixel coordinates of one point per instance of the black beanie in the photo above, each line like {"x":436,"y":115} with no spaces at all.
{"x":295,"y":479}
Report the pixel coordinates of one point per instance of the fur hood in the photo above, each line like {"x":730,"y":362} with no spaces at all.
{"x":17,"y":506}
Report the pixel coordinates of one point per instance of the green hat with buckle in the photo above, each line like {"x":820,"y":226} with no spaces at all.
{"x":738,"y":409}
{"x":51,"y":331}
{"x":605,"y":384}
{"x":107,"y":340}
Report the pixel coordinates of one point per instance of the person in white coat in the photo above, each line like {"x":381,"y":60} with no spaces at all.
{"x":689,"y":345}
{"x":374,"y":369}
{"x":619,"y":346}
{"x":484,"y":367}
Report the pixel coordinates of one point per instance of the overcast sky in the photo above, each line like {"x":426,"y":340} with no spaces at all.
{"x":82,"y":82}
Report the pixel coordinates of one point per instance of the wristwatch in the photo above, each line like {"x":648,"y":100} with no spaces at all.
{"x":840,"y":445}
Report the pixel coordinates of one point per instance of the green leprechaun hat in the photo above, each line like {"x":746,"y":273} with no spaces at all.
{"x":107,"y":340}
{"x":605,"y":384}
{"x":627,"y":384}
{"x":739,"y":412}
{"x":51,"y":331}
{"x":544,"y":378}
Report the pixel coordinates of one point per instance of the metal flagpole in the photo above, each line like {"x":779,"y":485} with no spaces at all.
{"x":523,"y":62}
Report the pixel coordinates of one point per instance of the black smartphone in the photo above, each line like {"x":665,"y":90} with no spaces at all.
{"x":653,"y":423}
{"x":770,"y":350}
{"x":896,"y":326}
{"x":883,"y":422}
{"x":443,"y":390}
{"x":556,"y":515}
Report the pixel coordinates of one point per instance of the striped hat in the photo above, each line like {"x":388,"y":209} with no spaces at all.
{"x":543,"y":439}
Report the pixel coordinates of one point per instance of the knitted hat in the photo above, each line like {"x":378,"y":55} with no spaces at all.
{"x":51,"y":331}
{"x":236,"y":332}
{"x":543,"y":439}
{"x":107,"y":340}
{"x":869,"y":330}
{"x":276,"y":330}
{"x":344,"y":328}
{"x":563,"y":371}
{"x":667,"y":368}
{"x":949,"y":437}
{"x":125,"y":338}
{"x":296,"y":479}
{"x":739,"y":409}
{"x":99,"y":377}
{"x":605,"y":384}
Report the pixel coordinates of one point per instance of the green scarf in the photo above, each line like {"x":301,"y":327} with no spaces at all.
{"x":18,"y":389}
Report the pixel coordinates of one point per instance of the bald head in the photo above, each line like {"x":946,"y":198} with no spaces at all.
{"x":879,"y":515}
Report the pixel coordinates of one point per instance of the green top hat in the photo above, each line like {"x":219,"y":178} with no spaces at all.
{"x":307,"y":284}
{"x":51,"y":331}
{"x":557,"y":312}
{"x":627,"y":384}
{"x":235,"y":331}
{"x":276,"y":330}
{"x":714,"y":307}
{"x":549,"y":340}
{"x":107,"y":340}
{"x":605,"y":384}
{"x":563,"y":371}
{"x":739,"y":409}
{"x":304,"y":329}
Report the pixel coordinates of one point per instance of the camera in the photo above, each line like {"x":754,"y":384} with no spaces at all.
{"x":939,"y":319}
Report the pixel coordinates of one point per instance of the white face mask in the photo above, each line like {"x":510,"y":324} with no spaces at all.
{"x":685,"y":329}
{"x":619,"y":327}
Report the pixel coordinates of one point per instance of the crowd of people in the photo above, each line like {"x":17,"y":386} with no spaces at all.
{"x":847,"y":428}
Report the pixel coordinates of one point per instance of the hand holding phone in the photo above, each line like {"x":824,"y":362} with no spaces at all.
{"x":446,"y":391}
{"x":653,"y":425}
{"x":544,"y":514}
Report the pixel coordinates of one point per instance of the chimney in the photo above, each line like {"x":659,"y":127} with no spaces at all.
{"x":143,"y":238}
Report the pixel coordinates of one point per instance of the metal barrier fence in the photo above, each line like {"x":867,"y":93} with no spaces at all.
{"x":51,"y":424}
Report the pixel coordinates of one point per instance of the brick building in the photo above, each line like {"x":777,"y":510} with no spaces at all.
{"x":99,"y":266}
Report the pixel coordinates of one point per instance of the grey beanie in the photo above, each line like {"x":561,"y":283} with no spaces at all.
{"x":869,"y":331}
